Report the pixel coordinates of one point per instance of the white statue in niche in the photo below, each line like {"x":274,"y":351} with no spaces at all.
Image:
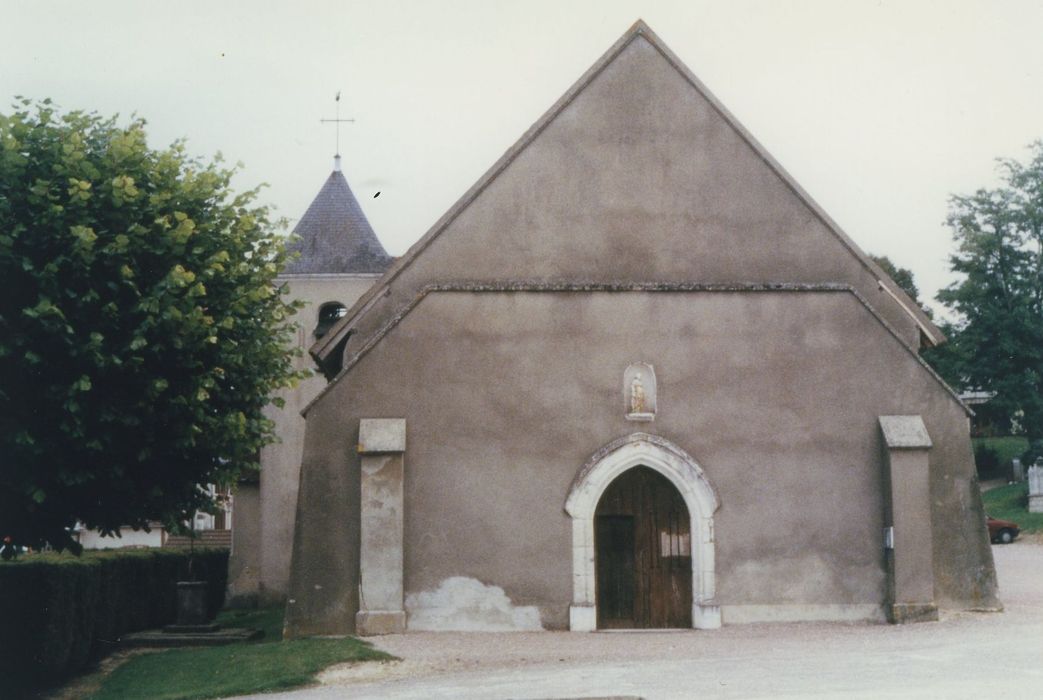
{"x":637,"y":395}
{"x":639,"y":392}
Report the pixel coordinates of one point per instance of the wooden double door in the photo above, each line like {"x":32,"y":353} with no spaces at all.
{"x":643,"y":550}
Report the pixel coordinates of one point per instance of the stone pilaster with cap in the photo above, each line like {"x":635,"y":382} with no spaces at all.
{"x":908,"y":534}
{"x":382,"y":446}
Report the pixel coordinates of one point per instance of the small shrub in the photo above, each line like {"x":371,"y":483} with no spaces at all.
{"x":986,"y":459}
{"x":1034,"y":452}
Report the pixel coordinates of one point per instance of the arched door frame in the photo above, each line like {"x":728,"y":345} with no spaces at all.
{"x":699,"y":496}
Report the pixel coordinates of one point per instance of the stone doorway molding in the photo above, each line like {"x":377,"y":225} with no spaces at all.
{"x":642,"y":449}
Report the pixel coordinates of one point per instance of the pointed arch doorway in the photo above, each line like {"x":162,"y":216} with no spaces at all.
{"x":672,"y":467}
{"x":642,"y":553}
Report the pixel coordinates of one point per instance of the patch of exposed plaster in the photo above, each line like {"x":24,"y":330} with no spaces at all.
{"x":462,"y":604}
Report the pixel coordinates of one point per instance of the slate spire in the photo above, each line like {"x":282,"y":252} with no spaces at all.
{"x":334,"y":235}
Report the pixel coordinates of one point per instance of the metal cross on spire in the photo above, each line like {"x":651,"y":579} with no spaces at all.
{"x":338,"y":121}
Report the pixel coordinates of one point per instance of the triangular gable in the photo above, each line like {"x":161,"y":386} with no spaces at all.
{"x":325,"y":348}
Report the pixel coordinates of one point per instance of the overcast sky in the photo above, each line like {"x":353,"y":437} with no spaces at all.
{"x":879,"y":108}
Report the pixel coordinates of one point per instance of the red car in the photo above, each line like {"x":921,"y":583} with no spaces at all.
{"x":1002,"y":531}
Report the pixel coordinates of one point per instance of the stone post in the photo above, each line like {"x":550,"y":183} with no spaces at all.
{"x":382,"y":445}
{"x":1036,"y":488}
{"x":1017,"y":470}
{"x":244,"y":564}
{"x":909,"y":537}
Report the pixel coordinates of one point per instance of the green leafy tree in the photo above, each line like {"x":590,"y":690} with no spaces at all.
{"x":949,"y":359}
{"x":902,"y":277}
{"x":141,"y":328}
{"x":997,"y":338}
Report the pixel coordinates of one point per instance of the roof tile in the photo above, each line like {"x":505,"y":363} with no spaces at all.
{"x":334,"y":235}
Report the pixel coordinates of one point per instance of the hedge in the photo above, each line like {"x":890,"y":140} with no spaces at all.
{"x":59,"y":612}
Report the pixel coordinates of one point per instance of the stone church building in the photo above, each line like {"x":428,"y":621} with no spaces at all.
{"x":635,"y":377}
{"x":338,"y":258}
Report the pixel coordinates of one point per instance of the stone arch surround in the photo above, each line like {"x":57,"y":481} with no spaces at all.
{"x":699,"y":496}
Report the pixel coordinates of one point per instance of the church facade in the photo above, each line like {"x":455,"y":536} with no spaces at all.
{"x":635,"y":377}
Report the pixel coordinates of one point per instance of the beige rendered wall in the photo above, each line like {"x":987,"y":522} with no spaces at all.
{"x":264,"y":542}
{"x":638,"y":178}
{"x":775,"y":394}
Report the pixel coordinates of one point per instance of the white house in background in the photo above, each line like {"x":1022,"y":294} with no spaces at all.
{"x":211,"y":531}
{"x":127,"y":539}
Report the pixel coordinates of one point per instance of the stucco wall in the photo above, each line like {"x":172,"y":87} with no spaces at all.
{"x":638,"y":178}
{"x":507,"y":394}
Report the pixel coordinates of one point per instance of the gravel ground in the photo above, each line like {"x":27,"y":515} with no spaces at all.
{"x":965,"y":655}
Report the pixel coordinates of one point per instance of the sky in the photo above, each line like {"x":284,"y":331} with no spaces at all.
{"x":880,"y":109}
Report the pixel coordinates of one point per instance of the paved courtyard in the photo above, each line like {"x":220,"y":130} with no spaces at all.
{"x":968,"y":655}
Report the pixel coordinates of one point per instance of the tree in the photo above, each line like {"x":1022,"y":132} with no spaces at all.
{"x":902,"y":277}
{"x":998,"y":335}
{"x":141,"y":329}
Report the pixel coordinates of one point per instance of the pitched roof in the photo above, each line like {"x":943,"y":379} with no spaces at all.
{"x":334,"y":235}
{"x":329,"y":344}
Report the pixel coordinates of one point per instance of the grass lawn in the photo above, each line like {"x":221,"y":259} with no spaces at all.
{"x":252,"y":667}
{"x":1010,"y":502}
